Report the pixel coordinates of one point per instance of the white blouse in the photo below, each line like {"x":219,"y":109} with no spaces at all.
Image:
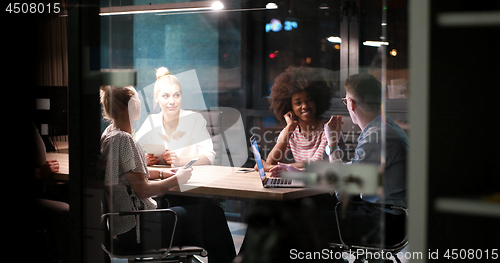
{"x":190,"y":138}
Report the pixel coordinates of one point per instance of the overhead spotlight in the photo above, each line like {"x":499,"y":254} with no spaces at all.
{"x":334,"y":39}
{"x":375,"y":43}
{"x":324,"y":7}
{"x":217,"y":5}
{"x":271,"y":6}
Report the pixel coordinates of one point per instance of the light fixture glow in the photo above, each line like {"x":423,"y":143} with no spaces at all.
{"x":271,"y":6}
{"x":334,"y":39}
{"x":179,"y":8}
{"x":153,"y":11}
{"x":168,"y":8}
{"x":375,"y":43}
{"x":217,"y":5}
{"x":324,"y":7}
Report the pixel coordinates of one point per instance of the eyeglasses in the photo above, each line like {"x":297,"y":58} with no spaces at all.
{"x":344,"y":100}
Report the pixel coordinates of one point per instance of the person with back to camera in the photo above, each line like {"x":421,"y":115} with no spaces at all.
{"x":129,"y":186}
{"x":183,"y":132}
{"x":299,"y":96}
{"x":362,"y":223}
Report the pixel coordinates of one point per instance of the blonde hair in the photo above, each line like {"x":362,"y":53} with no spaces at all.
{"x":163,"y":77}
{"x":115,"y":101}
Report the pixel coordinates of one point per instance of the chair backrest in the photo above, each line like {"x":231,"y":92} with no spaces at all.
{"x":214,"y":127}
{"x":226,"y":128}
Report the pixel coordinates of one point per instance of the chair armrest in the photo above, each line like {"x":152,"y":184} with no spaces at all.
{"x":380,"y":205}
{"x":136,"y":212}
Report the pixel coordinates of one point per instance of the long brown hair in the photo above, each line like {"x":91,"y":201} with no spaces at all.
{"x":115,"y":101}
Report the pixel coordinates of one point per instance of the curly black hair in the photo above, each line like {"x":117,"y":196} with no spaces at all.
{"x":295,"y":80}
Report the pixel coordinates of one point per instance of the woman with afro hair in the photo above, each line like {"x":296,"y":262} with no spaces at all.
{"x":298,"y":98}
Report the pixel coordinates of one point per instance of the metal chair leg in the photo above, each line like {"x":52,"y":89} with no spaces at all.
{"x":198,"y":259}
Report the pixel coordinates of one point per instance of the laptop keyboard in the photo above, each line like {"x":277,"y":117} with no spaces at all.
{"x":281,"y":181}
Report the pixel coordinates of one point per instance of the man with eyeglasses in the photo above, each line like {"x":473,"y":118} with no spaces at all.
{"x":363,"y":101}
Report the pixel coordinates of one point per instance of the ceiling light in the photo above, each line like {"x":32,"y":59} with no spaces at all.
{"x":271,"y":6}
{"x":375,"y":43}
{"x":217,"y":5}
{"x":324,"y":7}
{"x":334,"y":39}
{"x":167,"y":8}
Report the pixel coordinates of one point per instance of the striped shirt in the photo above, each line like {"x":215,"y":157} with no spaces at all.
{"x":310,"y":148}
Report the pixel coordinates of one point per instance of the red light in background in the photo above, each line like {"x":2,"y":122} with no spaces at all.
{"x":274,"y":54}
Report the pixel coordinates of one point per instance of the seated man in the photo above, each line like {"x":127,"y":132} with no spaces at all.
{"x":360,"y":223}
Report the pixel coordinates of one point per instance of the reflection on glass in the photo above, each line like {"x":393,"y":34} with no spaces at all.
{"x":302,"y":35}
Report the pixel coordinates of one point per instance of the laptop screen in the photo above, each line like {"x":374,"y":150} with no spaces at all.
{"x":258,"y":159}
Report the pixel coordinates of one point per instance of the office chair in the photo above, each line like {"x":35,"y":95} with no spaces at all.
{"x":226,"y":129}
{"x":168,"y":254}
{"x":214,"y":128}
{"x":387,"y":249}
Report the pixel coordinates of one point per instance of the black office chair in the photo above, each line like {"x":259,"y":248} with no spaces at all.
{"x":389,"y":248}
{"x":169,"y":254}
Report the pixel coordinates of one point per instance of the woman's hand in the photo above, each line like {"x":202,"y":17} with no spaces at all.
{"x":170,"y":157}
{"x":151,"y":159}
{"x":267,"y":166}
{"x":48,"y":168}
{"x":291,"y":120}
{"x":333,"y":129}
{"x":169,"y":173}
{"x":183,"y":175}
{"x":275,"y":171}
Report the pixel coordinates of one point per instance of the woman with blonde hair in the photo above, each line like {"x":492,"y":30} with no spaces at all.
{"x":130,"y":186}
{"x":182,"y":132}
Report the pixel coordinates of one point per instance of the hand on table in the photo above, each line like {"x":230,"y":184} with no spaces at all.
{"x":171,"y":158}
{"x":169,"y":173}
{"x":48,"y":168}
{"x":275,"y":171}
{"x":151,"y":159}
{"x":267,"y":166}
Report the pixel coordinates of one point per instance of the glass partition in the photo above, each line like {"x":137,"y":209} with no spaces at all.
{"x":227,"y":55}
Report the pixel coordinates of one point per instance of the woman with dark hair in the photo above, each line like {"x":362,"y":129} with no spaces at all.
{"x":299,"y":97}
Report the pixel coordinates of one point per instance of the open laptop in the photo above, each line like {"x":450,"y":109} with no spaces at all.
{"x":271,"y":182}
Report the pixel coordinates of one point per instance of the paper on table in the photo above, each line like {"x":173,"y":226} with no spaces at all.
{"x":155,"y":149}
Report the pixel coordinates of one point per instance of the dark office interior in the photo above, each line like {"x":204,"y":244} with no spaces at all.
{"x":437,"y":62}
